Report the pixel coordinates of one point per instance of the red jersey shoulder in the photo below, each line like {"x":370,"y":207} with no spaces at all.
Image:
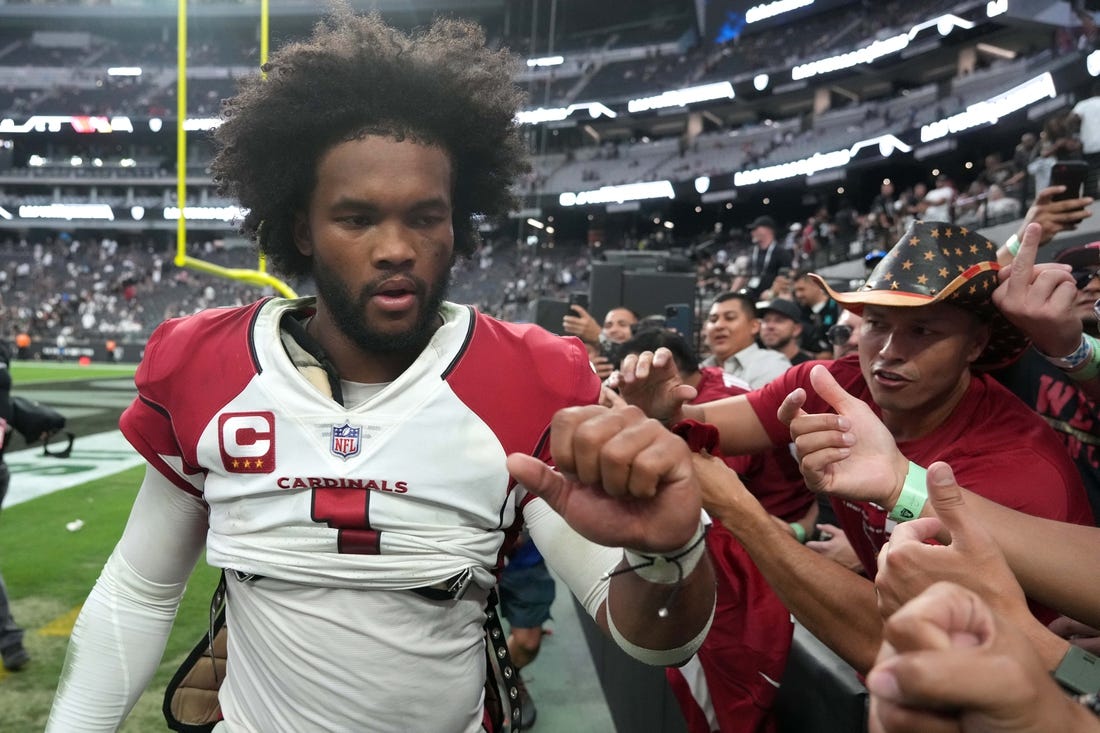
{"x":515,"y":377}
{"x":544,"y":363}
{"x":209,"y":351}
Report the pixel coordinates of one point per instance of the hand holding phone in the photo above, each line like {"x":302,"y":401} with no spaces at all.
{"x":1072,"y":175}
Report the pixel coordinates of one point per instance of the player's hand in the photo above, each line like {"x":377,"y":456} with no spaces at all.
{"x":1039,"y":299}
{"x":850,"y":453}
{"x":949,"y":664}
{"x":651,"y":381}
{"x":1054,"y":216}
{"x":907,"y":566}
{"x":581,"y":325}
{"x":623,"y":480}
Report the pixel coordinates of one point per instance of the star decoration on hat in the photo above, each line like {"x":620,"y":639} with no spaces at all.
{"x":918,"y":271}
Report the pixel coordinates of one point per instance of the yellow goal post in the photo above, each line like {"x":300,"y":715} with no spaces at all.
{"x":258,"y":276}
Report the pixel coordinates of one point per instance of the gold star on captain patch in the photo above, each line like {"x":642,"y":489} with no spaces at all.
{"x":922,"y":280}
{"x":973,"y":249}
{"x":894,"y":285}
{"x":907,"y":265}
{"x":247,"y":463}
{"x":914,"y":241}
{"x":929,"y":255}
{"x":943,"y":272}
{"x":236,"y":463}
{"x":935,"y":234}
{"x":259,"y":463}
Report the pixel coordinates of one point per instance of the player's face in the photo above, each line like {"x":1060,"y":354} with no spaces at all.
{"x":379,"y":232}
{"x":729,"y":329}
{"x":916,"y":361}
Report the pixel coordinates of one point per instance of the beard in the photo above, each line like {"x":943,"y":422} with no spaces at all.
{"x":777,"y":344}
{"x":348,"y":311}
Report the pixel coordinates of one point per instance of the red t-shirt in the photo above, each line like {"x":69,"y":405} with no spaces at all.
{"x":773,"y":476}
{"x":995,"y":444}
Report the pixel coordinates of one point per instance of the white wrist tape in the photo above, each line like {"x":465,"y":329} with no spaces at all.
{"x":670,"y":568}
{"x":660,"y":657}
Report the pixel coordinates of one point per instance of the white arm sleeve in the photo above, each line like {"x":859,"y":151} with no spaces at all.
{"x":580,"y":563}
{"x":120,"y":634}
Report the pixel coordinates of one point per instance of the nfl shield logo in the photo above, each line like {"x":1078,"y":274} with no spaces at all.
{"x":345,"y":440}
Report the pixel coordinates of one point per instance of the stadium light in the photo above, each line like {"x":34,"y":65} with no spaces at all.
{"x":546,"y":61}
{"x":79,"y":123}
{"x":682,"y":97}
{"x":769,"y":10}
{"x":1092,"y":63}
{"x":205,"y":213}
{"x":760,"y":82}
{"x":557,"y":114}
{"x":877,"y":49}
{"x":67,"y":212}
{"x":702,"y":184}
{"x":992,"y":109}
{"x":124,"y":71}
{"x":536,"y":224}
{"x":619,"y":194}
{"x":201,"y":124}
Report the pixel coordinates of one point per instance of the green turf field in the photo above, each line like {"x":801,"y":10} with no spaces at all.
{"x":28,"y":372}
{"x":49,"y":571}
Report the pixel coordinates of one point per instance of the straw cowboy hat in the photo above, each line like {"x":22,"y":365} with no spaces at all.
{"x":935,"y":262}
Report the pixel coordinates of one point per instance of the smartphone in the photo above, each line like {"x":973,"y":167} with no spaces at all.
{"x":1071,"y":174}
{"x":580,"y":299}
{"x":678,"y":316}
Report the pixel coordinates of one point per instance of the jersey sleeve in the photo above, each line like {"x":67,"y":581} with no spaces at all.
{"x":147,"y":422}
{"x":192,"y":367}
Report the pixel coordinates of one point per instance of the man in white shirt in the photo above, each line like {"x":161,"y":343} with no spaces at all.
{"x":1089,"y":112}
{"x":730,"y":333}
{"x":939,"y":201}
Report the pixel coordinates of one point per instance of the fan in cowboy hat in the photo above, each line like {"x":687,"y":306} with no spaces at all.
{"x":936,"y":262}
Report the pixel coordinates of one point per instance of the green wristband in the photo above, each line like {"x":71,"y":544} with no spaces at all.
{"x":914,"y":494}
{"x":1079,"y":672}
{"x":799,"y":532}
{"x":1091,"y":367}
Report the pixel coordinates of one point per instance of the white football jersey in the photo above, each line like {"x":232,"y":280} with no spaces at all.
{"x":330,"y":505}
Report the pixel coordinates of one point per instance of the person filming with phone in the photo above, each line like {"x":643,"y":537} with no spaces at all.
{"x":602,"y":342}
